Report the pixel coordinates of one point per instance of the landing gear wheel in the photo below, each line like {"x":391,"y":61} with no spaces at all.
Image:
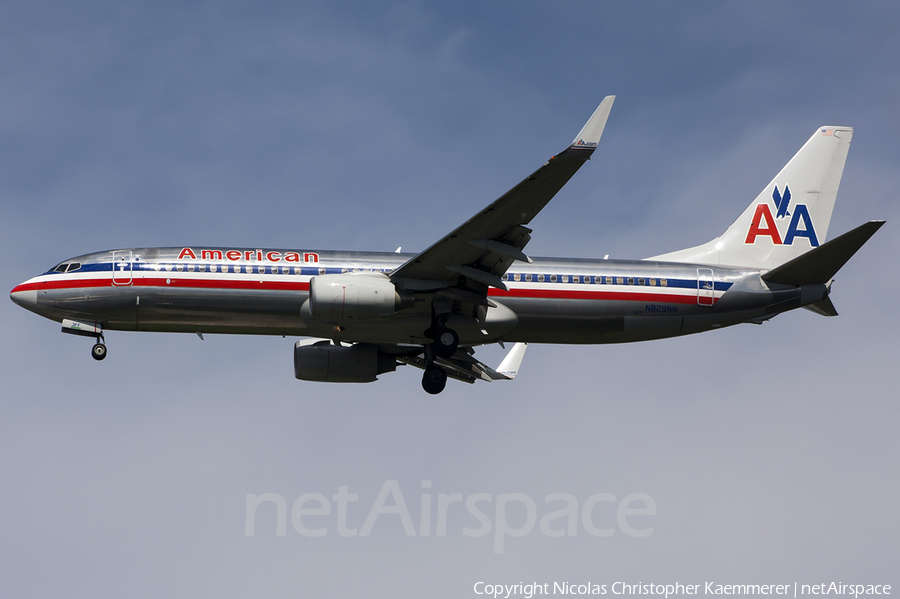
{"x":445,"y":343}
{"x":98,"y":352}
{"x":434,"y":380}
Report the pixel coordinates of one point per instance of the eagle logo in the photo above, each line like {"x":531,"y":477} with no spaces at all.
{"x":782,"y":201}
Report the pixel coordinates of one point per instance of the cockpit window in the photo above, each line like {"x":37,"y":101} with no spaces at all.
{"x":66,"y":267}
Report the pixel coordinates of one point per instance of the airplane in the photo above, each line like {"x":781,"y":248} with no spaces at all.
{"x":362,"y":314}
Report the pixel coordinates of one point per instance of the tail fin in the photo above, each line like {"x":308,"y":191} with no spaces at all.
{"x":791,"y":214}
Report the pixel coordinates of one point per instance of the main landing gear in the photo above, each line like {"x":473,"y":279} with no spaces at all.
{"x":434,"y":380}
{"x":445,"y":343}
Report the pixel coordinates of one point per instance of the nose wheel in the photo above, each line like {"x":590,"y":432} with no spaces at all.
{"x":98,"y":352}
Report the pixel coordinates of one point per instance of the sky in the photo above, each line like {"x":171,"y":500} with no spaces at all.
{"x":749,"y":455}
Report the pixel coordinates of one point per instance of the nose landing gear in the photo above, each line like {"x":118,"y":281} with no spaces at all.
{"x":86,"y":329}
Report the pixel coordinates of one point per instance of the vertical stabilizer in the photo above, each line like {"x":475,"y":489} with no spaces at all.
{"x":791,"y":214}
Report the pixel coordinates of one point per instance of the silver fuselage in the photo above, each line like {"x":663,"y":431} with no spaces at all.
{"x":265,"y":292}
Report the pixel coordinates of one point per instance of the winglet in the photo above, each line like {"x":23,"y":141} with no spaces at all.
{"x":509,"y":367}
{"x":589,"y":135}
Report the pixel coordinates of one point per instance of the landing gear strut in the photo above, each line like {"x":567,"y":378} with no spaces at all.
{"x":434,"y":380}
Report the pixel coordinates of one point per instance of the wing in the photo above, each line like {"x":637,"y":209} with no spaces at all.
{"x":477,"y":253}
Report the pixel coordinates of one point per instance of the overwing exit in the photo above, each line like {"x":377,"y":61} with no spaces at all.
{"x":362,"y":314}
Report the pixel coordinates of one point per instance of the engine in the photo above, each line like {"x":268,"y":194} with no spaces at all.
{"x":338,"y":298}
{"x":327,"y":363}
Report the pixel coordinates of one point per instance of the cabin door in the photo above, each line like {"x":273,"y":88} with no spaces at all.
{"x":121,"y":267}
{"x":706,"y":284}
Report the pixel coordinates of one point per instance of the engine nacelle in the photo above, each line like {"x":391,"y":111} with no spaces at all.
{"x":327,"y":363}
{"x":338,"y":298}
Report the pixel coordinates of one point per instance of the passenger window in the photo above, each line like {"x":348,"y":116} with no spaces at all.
{"x":321,"y":270}
{"x":190,"y":268}
{"x":179,"y":267}
{"x":609,"y":280}
{"x":212,"y":268}
{"x":565,"y":278}
{"x":631,"y":280}
{"x":540,"y":278}
{"x":652,"y":282}
{"x":641,"y":281}
{"x":517,"y":277}
{"x":528,"y":278}
{"x":619,"y":280}
{"x":663,"y":282}
{"x":552,"y":278}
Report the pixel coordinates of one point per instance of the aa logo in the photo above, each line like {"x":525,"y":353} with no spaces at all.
{"x":763,"y":224}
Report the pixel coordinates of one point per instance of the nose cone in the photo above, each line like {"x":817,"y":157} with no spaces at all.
{"x":25,"y":296}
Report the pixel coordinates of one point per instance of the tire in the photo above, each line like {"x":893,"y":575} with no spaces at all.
{"x":434,"y":380}
{"x":445,"y":343}
{"x":98,"y":352}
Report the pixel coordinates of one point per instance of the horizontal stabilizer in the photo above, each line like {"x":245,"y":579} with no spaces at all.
{"x":823,"y":308}
{"x":819,"y":265}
